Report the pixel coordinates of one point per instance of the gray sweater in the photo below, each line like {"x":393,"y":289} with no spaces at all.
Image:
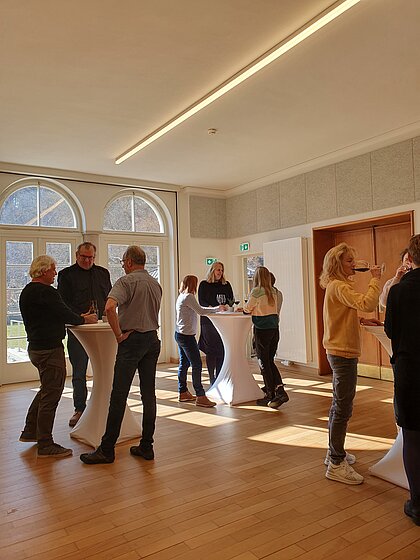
{"x":187,"y":308}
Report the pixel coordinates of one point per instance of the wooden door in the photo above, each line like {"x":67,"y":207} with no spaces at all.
{"x":377,"y":240}
{"x":390,"y":240}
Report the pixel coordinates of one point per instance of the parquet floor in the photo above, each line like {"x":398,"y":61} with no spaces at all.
{"x":239,"y":483}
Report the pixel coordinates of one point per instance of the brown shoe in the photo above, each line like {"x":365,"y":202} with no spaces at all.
{"x":75,"y":418}
{"x":204,"y":401}
{"x":185,"y":397}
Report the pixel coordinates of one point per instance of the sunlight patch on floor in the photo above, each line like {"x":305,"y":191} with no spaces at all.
{"x":308,"y":436}
{"x":204,"y":419}
{"x":313,"y":391}
{"x":300,"y":382}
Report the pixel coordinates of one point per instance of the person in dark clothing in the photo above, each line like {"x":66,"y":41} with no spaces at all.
{"x":45,"y":314}
{"x":402,"y":326}
{"x":213,"y":291}
{"x":83,"y":286}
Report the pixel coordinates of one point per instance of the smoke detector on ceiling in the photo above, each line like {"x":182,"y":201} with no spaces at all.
{"x":212,"y":131}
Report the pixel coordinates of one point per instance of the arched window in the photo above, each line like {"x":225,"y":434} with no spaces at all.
{"x":132,"y":213}
{"x":39,"y":219}
{"x":39,"y":206}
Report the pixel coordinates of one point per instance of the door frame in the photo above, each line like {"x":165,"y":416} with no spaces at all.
{"x":323,"y":240}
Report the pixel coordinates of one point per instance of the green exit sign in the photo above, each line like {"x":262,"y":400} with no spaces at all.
{"x":210,"y":261}
{"x":244,"y":246}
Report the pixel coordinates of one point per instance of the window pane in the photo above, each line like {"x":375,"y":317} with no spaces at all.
{"x":20,"y":208}
{"x":145,"y":218}
{"x":252,"y":263}
{"x":118,"y":215}
{"x":19,"y":255}
{"x":16,"y":349}
{"x":152,"y":254}
{"x":55,"y":211}
{"x":115,"y":253}
{"x":61,"y":253}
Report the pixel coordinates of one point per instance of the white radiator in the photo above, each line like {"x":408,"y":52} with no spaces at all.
{"x":287,"y":259}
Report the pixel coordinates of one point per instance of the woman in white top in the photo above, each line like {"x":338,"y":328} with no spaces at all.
{"x":187,"y":309}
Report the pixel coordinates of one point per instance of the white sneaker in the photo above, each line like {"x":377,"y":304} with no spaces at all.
{"x":343,"y":473}
{"x":351,"y":459}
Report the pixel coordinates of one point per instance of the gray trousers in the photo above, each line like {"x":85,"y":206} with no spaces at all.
{"x":344,"y":390}
{"x":51,"y":365}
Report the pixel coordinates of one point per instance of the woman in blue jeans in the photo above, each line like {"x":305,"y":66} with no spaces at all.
{"x":187,"y":309}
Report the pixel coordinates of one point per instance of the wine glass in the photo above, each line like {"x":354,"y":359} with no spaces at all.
{"x":365,"y":266}
{"x":93,"y":307}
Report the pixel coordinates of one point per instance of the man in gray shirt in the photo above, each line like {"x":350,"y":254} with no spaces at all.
{"x":137,"y":295}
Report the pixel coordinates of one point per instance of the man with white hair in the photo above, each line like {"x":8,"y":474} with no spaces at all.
{"x":45,"y":315}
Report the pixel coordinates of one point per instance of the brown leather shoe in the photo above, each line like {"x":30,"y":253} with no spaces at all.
{"x":75,"y":418}
{"x":185,"y":397}
{"x":204,"y":401}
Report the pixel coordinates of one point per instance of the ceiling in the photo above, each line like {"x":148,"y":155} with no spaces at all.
{"x":83,"y":81}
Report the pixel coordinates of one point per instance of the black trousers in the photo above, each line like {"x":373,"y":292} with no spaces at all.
{"x":411,"y":458}
{"x":266,"y":342}
{"x":140,"y":351}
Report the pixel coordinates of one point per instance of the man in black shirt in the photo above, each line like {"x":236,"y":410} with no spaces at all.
{"x":83,"y":286}
{"x":45,"y":314}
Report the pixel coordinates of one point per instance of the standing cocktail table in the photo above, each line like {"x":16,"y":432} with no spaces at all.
{"x":99,"y":342}
{"x":390,"y":467}
{"x":235,"y":383}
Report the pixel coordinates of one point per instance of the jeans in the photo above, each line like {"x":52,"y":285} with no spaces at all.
{"x":344,"y":391}
{"x":266,"y":342}
{"x":51,"y":365}
{"x":140,"y":351}
{"x":411,"y":458}
{"x":79,"y":362}
{"x":189,"y":355}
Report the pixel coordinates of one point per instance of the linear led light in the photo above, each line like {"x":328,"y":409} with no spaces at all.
{"x":266,"y":59}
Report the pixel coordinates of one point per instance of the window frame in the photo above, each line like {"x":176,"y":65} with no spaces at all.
{"x":144,"y":195}
{"x":60,"y":189}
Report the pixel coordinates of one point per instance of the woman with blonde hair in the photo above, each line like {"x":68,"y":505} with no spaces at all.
{"x":264,"y":305}
{"x":214,"y":290}
{"x":187,"y":309}
{"x":342,"y":343}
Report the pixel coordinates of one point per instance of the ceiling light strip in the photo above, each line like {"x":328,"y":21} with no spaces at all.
{"x":241,"y":76}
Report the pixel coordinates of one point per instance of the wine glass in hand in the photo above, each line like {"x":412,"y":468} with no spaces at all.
{"x":93,"y":309}
{"x":361,"y":266}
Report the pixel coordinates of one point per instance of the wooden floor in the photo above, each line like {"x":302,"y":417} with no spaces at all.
{"x":227,"y":483}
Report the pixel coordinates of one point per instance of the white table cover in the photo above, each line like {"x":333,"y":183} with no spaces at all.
{"x":390,"y":467}
{"x":235,"y":383}
{"x":99,"y":342}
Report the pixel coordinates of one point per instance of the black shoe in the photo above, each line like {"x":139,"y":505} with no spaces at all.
{"x":27,"y":437}
{"x":147,"y":454}
{"x":280,"y":398}
{"x":264,"y":401}
{"x":410,"y":511}
{"x":97,"y":457}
